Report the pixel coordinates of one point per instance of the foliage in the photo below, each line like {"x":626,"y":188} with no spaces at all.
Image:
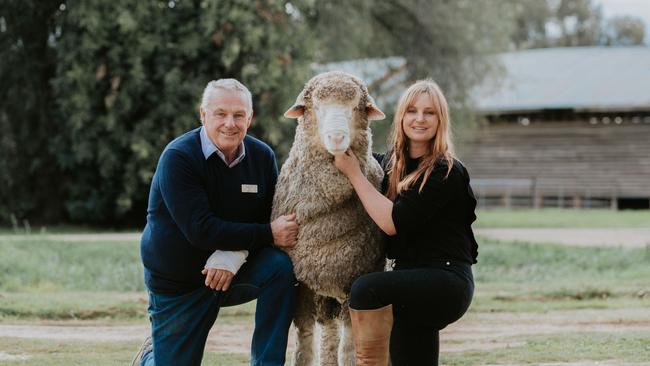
{"x":126,"y":100}
{"x":624,"y":31}
{"x":531,"y":18}
{"x":444,"y":40}
{"x":570,"y":23}
{"x":95,"y":89}
{"x":29,"y":178}
{"x":579,"y":22}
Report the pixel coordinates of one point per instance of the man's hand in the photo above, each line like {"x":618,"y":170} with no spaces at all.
{"x":285,"y":231}
{"x":217,"y":279}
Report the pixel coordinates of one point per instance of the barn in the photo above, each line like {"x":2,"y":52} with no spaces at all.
{"x":564,"y":127}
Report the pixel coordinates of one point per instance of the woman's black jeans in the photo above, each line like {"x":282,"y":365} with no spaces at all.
{"x":424,"y":299}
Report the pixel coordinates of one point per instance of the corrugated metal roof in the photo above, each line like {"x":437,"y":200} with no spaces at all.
{"x":578,"y":78}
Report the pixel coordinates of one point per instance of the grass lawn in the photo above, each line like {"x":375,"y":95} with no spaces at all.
{"x":581,"y":348}
{"x":101,"y":283}
{"x":562,"y":218}
{"x":66,"y":353}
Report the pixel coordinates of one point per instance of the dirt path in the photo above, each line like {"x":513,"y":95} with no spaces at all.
{"x":476,"y":331}
{"x":629,"y":238}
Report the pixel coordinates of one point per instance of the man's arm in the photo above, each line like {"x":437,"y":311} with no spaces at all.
{"x":221,"y":267}
{"x":228,"y":260}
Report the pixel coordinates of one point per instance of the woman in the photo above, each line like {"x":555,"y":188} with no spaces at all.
{"x":427,"y":212}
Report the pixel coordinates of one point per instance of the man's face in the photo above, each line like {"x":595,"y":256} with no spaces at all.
{"x":226,"y":120}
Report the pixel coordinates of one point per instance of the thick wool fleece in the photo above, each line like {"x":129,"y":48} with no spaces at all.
{"x":338,"y":241}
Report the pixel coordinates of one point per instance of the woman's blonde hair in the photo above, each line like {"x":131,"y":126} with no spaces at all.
{"x":440,"y":146}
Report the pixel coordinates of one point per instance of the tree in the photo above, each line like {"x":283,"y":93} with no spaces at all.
{"x":531,"y":18}
{"x":94,"y":90}
{"x":569,"y":23}
{"x":129,"y":85}
{"x":444,"y":40}
{"x":624,"y":31}
{"x":29,"y":184}
{"x":579,"y":22}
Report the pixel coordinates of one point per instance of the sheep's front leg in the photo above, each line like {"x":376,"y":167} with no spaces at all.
{"x":329,"y":344}
{"x":304,"y":320}
{"x":304,"y":353}
{"x":346,"y":348}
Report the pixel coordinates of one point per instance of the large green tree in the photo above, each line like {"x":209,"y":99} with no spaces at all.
{"x":29,"y":184}
{"x":129,"y":79}
{"x":93,"y":91}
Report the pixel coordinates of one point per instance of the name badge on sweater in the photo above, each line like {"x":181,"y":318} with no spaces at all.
{"x":249,"y":188}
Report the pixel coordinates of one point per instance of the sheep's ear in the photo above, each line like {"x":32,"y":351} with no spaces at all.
{"x":373,"y":112}
{"x":298,"y":108}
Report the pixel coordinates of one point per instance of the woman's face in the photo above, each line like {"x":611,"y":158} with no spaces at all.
{"x":420,"y":121}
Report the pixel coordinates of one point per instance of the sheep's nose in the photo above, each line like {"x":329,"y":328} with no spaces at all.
{"x":336,"y":138}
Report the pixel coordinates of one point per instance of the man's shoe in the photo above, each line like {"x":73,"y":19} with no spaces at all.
{"x":146,"y":347}
{"x":371,"y":333}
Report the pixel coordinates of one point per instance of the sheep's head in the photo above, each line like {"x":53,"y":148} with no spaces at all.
{"x":338,"y":103}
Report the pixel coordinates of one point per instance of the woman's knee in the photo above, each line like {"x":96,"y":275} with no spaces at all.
{"x":363,"y":294}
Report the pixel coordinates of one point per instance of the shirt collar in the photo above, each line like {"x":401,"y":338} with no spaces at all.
{"x":209,"y":148}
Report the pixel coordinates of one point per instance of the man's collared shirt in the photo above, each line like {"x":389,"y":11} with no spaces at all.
{"x":210,"y":148}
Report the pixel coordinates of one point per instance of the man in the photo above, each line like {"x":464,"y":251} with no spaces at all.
{"x":212,"y":190}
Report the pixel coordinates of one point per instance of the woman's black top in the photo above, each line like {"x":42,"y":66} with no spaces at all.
{"x":434,"y":226}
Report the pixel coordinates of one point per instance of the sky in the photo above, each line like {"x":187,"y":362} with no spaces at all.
{"x":638,"y":8}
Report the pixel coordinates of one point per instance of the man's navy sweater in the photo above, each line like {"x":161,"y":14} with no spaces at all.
{"x":197,"y":206}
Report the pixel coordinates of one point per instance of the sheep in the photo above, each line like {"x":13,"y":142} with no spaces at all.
{"x":337,"y":241}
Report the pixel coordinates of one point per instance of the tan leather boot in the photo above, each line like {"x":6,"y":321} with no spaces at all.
{"x":371,"y":334}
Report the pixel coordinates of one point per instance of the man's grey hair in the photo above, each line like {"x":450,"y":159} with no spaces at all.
{"x":226,"y":84}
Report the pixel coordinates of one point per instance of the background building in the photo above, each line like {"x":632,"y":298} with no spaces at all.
{"x":564,"y":127}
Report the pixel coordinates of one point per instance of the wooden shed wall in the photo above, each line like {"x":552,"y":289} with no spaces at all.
{"x":560,"y":159}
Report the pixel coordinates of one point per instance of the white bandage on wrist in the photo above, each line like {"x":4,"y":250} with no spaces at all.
{"x":228,"y":260}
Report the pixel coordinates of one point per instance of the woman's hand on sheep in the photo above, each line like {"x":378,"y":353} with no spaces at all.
{"x":285,"y":231}
{"x":218,"y":279}
{"x":348,"y":163}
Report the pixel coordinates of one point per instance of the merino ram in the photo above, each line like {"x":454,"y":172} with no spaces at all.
{"x":338,"y":241}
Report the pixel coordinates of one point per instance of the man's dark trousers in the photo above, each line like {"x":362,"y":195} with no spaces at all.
{"x":180,"y":323}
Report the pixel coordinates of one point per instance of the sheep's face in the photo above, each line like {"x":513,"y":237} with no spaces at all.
{"x":334,"y":119}
{"x":340,"y":104}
